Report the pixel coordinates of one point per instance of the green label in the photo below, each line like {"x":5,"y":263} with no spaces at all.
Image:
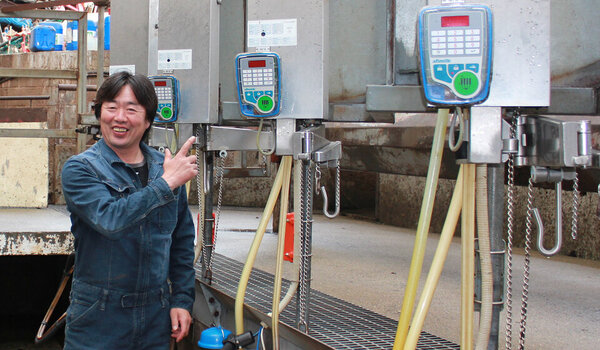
{"x":265,"y":103}
{"x":166,"y":113}
{"x":466,"y":83}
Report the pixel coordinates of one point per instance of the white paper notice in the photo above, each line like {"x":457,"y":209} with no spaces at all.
{"x":277,"y":32}
{"x":174,"y":59}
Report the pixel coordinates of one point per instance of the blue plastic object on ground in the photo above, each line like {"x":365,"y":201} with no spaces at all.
{"x":212,"y":338}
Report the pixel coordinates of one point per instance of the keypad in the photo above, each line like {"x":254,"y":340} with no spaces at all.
{"x":164,"y":93}
{"x":455,"y":42}
{"x":257,"y":77}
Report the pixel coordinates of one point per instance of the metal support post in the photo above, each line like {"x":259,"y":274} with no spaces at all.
{"x":82,"y":65}
{"x":100,"y":50}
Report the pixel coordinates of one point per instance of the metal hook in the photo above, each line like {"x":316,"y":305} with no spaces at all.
{"x":326,"y":205}
{"x":540,"y":225}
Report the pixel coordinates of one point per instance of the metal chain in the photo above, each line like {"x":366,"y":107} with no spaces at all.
{"x":525,"y":291}
{"x":306,"y":220}
{"x":220,"y":170}
{"x":200,"y":193}
{"x":337,"y":185}
{"x":510,"y":233}
{"x":576,"y":201}
{"x":302,"y":287}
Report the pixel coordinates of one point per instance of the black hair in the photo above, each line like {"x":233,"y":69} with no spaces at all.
{"x":142,"y":89}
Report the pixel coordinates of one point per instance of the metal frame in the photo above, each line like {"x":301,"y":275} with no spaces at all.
{"x":409,"y":98}
{"x":39,"y":133}
{"x":80,"y":74}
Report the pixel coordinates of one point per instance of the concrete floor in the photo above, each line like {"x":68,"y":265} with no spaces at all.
{"x":367,"y":264}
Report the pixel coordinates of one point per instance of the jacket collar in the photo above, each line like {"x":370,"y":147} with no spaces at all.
{"x":111,"y":157}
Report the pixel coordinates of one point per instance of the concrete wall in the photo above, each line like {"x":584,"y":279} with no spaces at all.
{"x":399,"y":203}
{"x":23,"y":169}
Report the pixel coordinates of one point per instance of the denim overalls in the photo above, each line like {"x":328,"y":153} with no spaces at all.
{"x":133,"y":252}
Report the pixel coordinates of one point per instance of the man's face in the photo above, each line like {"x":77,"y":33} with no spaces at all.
{"x":123,"y":121}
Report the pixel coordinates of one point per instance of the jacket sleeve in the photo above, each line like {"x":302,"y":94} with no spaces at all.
{"x":181,"y":265}
{"x":90,"y":198}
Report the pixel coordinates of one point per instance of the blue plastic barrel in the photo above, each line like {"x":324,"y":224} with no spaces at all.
{"x":92,"y":35}
{"x":107,"y":33}
{"x":71,"y":35}
{"x":42,"y":38}
{"x":60,"y":38}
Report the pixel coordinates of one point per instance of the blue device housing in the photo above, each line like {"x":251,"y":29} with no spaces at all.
{"x":176,"y":98}
{"x":436,"y":93}
{"x":247,"y":109}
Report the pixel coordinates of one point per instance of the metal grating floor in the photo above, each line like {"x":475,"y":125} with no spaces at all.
{"x":334,"y":322}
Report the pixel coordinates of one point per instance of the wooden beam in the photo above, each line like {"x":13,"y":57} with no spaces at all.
{"x":37,"y":5}
{"x":23,"y":115}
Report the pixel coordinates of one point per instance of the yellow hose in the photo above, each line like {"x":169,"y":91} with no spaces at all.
{"x":285,"y":194}
{"x":414,"y":274}
{"x":468,"y":257}
{"x":437,"y":264}
{"x":296,"y":262}
{"x":260,"y":232}
{"x":487,"y":283}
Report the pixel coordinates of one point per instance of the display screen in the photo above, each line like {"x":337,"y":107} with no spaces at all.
{"x":160,"y":83}
{"x":455,"y":21}
{"x":257,"y":64}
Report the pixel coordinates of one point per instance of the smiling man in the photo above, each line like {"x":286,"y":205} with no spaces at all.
{"x":133,"y":283}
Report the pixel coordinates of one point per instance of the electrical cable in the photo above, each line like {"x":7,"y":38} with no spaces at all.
{"x":461,"y":119}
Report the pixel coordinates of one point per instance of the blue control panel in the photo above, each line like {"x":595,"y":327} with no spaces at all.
{"x":455,"y":52}
{"x":258,"y":78}
{"x":168,"y":93}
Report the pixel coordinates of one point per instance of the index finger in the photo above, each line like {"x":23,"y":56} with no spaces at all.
{"x":185,"y":327}
{"x":187,"y":145}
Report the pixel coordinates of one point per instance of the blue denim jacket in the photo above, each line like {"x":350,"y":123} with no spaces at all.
{"x":129,"y":238}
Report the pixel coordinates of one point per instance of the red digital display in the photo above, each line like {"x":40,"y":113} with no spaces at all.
{"x":257,"y":64}
{"x":455,"y":21}
{"x":160,"y":83}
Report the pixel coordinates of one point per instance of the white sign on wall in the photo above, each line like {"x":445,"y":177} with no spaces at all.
{"x":277,"y":32}
{"x":174,"y":59}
